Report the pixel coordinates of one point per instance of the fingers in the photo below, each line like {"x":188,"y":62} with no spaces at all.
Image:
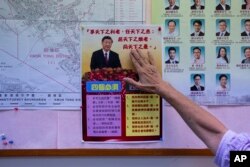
{"x":137,"y":57}
{"x":141,"y":62}
{"x":140,"y":86}
{"x":132,"y":82}
{"x":144,"y":59}
{"x":135,"y":62}
{"x":151,"y":59}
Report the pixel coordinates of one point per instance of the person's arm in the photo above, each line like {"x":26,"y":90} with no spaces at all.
{"x":203,"y":124}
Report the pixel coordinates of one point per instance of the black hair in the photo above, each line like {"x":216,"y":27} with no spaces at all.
{"x":198,"y":22}
{"x":247,"y":20}
{"x":107,"y":37}
{"x":172,"y":21}
{"x":197,"y":75}
{"x":196,"y":48}
{"x":222,"y":21}
{"x":223,"y":75}
{"x":171,"y":48}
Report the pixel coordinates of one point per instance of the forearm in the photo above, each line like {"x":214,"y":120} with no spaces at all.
{"x":204,"y":124}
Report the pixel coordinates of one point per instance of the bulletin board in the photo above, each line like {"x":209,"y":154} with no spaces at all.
{"x":58,"y":132}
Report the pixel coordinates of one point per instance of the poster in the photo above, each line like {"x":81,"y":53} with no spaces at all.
{"x":206,"y":49}
{"x":113,"y":110}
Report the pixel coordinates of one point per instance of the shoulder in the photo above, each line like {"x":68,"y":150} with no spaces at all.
{"x":192,"y":7}
{"x":192,"y":87}
{"x":243,"y":33}
{"x":176,"y":7}
{"x":219,"y":7}
{"x":202,"y":33}
{"x":97,"y":51}
{"x":243,"y":61}
{"x":243,"y":6}
{"x":113,"y":53}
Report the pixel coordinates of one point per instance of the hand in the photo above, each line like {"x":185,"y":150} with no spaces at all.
{"x":150,"y":79}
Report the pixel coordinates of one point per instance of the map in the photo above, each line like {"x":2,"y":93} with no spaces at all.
{"x":40,"y":48}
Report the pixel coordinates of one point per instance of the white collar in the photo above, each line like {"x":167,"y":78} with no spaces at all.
{"x":105,"y":51}
{"x":172,"y":7}
{"x":223,"y":6}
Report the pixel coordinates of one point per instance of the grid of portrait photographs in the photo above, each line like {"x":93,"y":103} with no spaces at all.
{"x":206,"y":53}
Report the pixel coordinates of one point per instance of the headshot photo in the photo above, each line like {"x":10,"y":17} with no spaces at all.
{"x":105,"y":57}
{"x":172,"y":55}
{"x":197,"y":55}
{"x":198,"y":5}
{"x":245,"y":55}
{"x":223,"y":82}
{"x":197,"y":82}
{"x":223,"y":27}
{"x":197,"y":28}
{"x":223,"y":55}
{"x":245,"y":5}
{"x":223,"y":5}
{"x":172,"y":5}
{"x":172,"y":28}
{"x":245,"y":27}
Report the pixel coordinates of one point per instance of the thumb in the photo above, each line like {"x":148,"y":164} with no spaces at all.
{"x":132,"y":82}
{"x":138,"y":85}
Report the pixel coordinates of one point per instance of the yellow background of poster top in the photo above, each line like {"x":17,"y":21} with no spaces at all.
{"x":153,"y":116}
{"x":91,"y":43}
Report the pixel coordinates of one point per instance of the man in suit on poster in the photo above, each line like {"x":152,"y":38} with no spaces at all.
{"x":197,"y":24}
{"x":197,"y":57}
{"x":172,"y":32}
{"x":172,"y":55}
{"x":104,"y":57}
{"x":223,"y":6}
{"x":197,"y":83}
{"x":197,"y":5}
{"x":247,"y":28}
{"x":223,"y":29}
{"x":172,"y":5}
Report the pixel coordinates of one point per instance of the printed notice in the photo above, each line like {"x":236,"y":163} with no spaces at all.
{"x":142,"y":115}
{"x":104,"y":115}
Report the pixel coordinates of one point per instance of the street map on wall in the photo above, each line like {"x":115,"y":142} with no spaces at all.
{"x":40,"y":48}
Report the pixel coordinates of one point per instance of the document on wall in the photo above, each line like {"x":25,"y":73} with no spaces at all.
{"x":206,"y":49}
{"x":113,"y":111}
